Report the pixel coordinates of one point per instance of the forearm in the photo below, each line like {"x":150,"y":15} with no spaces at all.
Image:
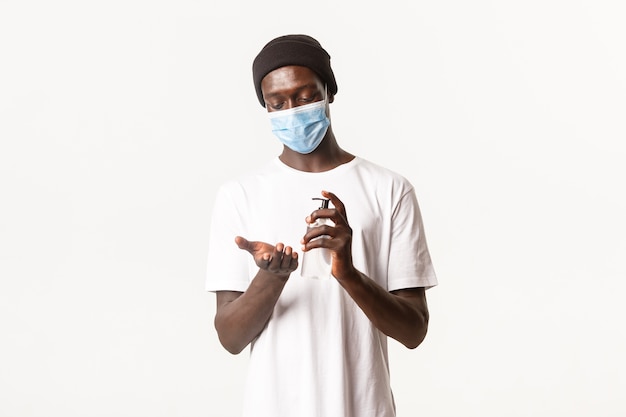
{"x":240,"y":319}
{"x":402,"y":315}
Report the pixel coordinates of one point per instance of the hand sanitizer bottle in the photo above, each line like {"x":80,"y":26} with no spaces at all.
{"x":316,"y":263}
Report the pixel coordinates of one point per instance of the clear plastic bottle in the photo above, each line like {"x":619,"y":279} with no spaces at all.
{"x":316,"y":263}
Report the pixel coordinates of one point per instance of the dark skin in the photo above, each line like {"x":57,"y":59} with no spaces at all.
{"x":240,"y":317}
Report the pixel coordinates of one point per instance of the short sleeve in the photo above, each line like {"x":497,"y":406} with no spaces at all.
{"x":227,"y":265}
{"x":410,"y":263}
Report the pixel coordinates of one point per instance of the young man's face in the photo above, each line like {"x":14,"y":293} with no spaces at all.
{"x":291,"y":86}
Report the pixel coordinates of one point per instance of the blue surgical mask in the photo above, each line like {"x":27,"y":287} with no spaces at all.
{"x":301,"y":128}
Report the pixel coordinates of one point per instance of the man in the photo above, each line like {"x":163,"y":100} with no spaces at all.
{"x":318,"y":346}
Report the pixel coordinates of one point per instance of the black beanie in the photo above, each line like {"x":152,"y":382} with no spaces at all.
{"x":286,"y":50}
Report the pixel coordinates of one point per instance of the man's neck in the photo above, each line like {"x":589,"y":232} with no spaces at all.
{"x":326,"y":157}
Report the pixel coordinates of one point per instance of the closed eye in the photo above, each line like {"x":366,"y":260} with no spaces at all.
{"x":276,"y":106}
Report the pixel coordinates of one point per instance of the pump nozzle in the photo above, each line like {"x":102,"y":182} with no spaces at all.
{"x":324,"y":202}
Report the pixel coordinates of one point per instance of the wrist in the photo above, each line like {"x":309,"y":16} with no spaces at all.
{"x":273,"y":276}
{"x":346,"y":274}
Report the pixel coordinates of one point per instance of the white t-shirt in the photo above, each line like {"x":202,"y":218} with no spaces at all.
{"x":319,"y":355}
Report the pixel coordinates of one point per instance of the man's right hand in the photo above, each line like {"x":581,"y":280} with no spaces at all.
{"x":280,"y":259}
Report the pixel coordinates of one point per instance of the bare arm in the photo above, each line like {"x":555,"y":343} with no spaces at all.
{"x":402,"y":314}
{"x":240,"y":317}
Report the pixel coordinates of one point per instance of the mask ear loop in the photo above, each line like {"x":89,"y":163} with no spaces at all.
{"x":326,"y":102}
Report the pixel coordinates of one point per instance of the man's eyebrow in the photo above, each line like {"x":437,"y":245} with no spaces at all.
{"x":271,"y":95}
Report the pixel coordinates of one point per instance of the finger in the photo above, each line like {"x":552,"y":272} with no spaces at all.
{"x":313,"y":233}
{"x":287,"y":258}
{"x":339,"y":206}
{"x":314,"y":243}
{"x":243,"y":243}
{"x":294,"y":261}
{"x":276,"y":258}
{"x":255,"y":248}
{"x":267,"y":258}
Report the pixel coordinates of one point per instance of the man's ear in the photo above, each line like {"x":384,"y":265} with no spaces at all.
{"x":331,"y":97}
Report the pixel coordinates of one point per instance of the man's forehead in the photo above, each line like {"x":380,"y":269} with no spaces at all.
{"x":292,"y":76}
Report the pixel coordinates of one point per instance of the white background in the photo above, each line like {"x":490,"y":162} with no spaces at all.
{"x":119,"y":119}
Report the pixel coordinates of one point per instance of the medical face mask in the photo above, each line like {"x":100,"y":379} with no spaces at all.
{"x":301,"y":128}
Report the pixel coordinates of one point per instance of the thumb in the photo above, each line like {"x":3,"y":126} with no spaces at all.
{"x":243,"y":243}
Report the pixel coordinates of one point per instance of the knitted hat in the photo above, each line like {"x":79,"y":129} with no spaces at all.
{"x":286,"y":50}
